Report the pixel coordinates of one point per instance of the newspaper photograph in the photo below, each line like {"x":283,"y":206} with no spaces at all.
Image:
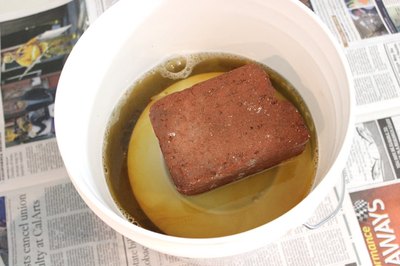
{"x":354,"y":20}
{"x":43,"y":220}
{"x":33,"y":52}
{"x":377,"y":210}
{"x":375,"y":153}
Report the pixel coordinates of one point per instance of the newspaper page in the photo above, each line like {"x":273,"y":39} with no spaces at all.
{"x":33,"y":51}
{"x":377,"y":210}
{"x":375,"y":67}
{"x":368,"y":31}
{"x":354,"y":20}
{"x":38,"y":228}
{"x":51,"y":225}
{"x":372,"y":173}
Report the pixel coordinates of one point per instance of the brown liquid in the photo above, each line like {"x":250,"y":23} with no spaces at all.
{"x":230,"y":209}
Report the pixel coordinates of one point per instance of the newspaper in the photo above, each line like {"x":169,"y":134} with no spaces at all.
{"x":43,"y":221}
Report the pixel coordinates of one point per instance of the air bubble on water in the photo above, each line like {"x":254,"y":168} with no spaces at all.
{"x":178,"y":67}
{"x":175,"y":65}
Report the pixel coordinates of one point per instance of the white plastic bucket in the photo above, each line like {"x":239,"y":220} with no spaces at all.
{"x":134,"y":36}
